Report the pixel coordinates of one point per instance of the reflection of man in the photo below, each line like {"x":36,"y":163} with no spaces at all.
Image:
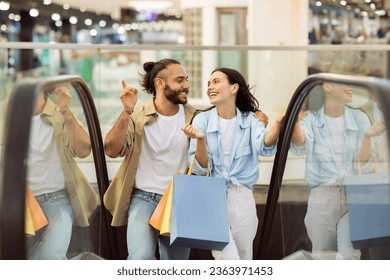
{"x":54,"y":178}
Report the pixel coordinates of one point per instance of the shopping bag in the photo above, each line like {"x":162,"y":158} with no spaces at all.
{"x":34,"y":214}
{"x":199,"y":212}
{"x":368,"y":200}
{"x":28,"y":223}
{"x":157,"y":218}
{"x":166,"y":219}
{"x":158,"y":213}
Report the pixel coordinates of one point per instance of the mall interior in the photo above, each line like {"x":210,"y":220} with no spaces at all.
{"x":278,"y":45}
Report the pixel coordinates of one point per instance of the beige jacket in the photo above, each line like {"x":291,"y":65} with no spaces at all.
{"x":117,"y":197}
{"x":84,"y":199}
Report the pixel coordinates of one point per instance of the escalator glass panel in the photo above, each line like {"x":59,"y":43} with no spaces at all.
{"x":334,"y":200}
{"x":61,"y":177}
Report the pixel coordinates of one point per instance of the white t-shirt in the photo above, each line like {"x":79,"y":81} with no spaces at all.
{"x":336,"y":129}
{"x":44,"y":168}
{"x":164,"y":151}
{"x":226,"y":127}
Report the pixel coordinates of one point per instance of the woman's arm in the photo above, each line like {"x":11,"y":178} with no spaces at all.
{"x":201,"y":150}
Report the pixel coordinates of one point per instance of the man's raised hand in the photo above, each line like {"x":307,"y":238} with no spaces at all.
{"x":128,"y":96}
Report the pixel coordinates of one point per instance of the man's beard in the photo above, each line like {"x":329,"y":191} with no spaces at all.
{"x":174,"y":95}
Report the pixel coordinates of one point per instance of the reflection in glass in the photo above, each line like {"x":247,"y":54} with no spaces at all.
{"x":337,"y":140}
{"x":371,"y":193}
{"x":64,"y":193}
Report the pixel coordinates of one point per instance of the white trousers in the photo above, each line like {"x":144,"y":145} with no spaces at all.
{"x":327,"y":223}
{"x":242,"y":225}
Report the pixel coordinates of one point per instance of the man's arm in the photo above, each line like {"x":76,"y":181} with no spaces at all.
{"x":78,"y":138}
{"x":115,"y":138}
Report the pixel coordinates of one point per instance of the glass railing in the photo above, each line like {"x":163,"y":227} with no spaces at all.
{"x":274,"y":73}
{"x":340,"y":209}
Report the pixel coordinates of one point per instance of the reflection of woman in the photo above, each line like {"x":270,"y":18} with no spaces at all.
{"x":381,"y":158}
{"x":234,"y":140}
{"x":335,"y":139}
{"x":374,"y":112}
{"x":54,"y":178}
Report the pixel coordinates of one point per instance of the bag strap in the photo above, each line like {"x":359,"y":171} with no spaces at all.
{"x":189,"y":172}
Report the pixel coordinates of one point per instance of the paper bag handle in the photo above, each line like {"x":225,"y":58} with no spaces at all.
{"x":189,"y":172}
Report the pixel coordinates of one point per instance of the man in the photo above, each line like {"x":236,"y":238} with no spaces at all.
{"x":56,"y":181}
{"x":154,"y":148}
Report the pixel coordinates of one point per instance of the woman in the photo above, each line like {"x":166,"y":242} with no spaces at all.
{"x":229,"y":138}
{"x":336,"y":139}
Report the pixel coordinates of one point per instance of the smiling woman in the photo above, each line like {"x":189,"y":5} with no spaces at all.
{"x":234,"y":140}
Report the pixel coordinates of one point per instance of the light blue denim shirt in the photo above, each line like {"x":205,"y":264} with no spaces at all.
{"x":320,"y":167}
{"x":248,"y":144}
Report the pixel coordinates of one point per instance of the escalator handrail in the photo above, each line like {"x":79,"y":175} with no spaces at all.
{"x":16,"y":138}
{"x":372,"y":84}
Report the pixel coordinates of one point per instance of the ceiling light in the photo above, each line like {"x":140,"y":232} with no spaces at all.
{"x":34,"y":12}
{"x":55,"y":16}
{"x":73,"y":20}
{"x":102,"y":23}
{"x":4,"y":6}
{"x":157,"y":6}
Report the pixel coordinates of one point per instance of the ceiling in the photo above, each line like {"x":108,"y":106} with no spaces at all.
{"x":113,"y":7}
{"x":364,"y":5}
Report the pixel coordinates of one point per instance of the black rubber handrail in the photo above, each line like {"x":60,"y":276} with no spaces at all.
{"x":378,"y":86}
{"x":13,"y":176}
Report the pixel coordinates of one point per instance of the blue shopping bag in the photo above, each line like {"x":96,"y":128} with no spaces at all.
{"x":368,"y":199}
{"x":199,"y":212}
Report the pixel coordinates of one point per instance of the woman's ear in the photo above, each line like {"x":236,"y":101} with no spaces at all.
{"x":326,"y":87}
{"x":235,"y":88}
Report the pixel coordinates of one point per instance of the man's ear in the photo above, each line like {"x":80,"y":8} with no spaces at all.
{"x":159,"y":83}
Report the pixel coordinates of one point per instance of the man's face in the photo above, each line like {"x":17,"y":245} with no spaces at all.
{"x":176,"y":86}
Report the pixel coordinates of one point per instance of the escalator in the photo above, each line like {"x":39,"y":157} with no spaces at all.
{"x":284,"y":230}
{"x":21,"y":145}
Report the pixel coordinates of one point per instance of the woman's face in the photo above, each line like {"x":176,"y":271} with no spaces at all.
{"x":339,"y":93}
{"x":219,"y":90}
